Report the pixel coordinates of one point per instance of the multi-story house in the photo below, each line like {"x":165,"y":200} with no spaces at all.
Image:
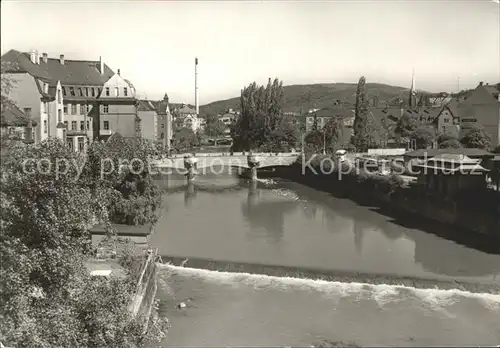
{"x":36,"y":91}
{"x":149,"y":120}
{"x":186,"y":115}
{"x":67,"y":97}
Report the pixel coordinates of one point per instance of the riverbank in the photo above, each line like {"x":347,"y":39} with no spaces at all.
{"x":343,"y":276}
{"x":475,"y":216}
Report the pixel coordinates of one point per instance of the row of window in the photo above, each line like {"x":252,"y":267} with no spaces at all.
{"x":81,"y":144}
{"x":82,"y":91}
{"x":117,"y":92}
{"x":74,"y":125}
{"x":84,"y":109}
{"x":89,"y":92}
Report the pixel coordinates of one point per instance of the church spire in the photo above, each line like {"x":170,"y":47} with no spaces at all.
{"x":412,"y":101}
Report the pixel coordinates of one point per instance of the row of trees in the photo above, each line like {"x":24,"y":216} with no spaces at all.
{"x":262,"y":124}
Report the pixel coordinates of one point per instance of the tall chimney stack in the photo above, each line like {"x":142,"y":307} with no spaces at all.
{"x":196,"y":95}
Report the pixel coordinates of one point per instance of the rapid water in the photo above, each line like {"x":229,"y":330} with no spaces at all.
{"x":282,"y":228}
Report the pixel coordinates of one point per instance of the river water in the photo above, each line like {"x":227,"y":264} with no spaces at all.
{"x":280,"y":236}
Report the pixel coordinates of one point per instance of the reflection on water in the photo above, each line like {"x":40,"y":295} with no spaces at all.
{"x":222,"y":217}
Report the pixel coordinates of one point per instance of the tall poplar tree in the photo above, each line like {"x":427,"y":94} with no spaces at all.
{"x":361,"y":137}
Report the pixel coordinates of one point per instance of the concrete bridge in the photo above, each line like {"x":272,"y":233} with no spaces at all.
{"x":239,"y":160}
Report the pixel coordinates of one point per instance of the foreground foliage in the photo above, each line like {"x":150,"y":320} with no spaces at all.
{"x":48,"y":298}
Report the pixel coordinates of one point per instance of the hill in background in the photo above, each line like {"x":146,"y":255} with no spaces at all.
{"x":315,"y":96}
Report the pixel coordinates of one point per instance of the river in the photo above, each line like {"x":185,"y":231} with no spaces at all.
{"x":278,"y":237}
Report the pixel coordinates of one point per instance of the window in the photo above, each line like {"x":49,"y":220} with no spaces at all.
{"x":59,"y":115}
{"x":125,"y":91}
{"x":66,"y":124}
{"x":59,"y":98}
{"x":162,"y":125}
{"x":80,"y":91}
{"x":73,"y":125}
{"x":107,"y":91}
{"x":73,"y":109}
{"x":117,"y":91}
{"x":72,"y":91}
{"x":446,"y":120}
{"x":83,"y":108}
{"x":44,"y":107}
{"x":106,"y":125}
{"x":45,"y":126}
{"x":93,"y":92}
{"x":105,"y":109}
{"x":88,"y":124}
{"x":162,"y":136}
{"x":86,"y":91}
{"x":98,"y":91}
{"x":65,"y":109}
{"x":81,"y":144}
{"x":70,"y":143}
{"x":82,"y":125}
{"x":64,"y":91}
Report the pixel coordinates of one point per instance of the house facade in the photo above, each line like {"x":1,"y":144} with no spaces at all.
{"x":482,"y":108}
{"x":149,"y":120}
{"x":118,"y":108}
{"x":165,"y":122}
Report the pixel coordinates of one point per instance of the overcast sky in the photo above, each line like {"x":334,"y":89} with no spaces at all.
{"x":301,"y":42}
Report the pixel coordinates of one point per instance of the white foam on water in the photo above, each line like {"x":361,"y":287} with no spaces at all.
{"x":381,"y":293}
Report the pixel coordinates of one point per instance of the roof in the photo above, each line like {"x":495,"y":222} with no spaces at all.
{"x":73,"y":72}
{"x":12,"y":116}
{"x":435,"y":152}
{"x":422,"y":114}
{"x":186,"y":109}
{"x":454,"y":157}
{"x":335,"y":112}
{"x":145,"y":105}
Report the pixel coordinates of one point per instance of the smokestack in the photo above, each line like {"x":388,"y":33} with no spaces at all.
{"x":196,"y":95}
{"x":61,"y":59}
{"x":45,"y":57}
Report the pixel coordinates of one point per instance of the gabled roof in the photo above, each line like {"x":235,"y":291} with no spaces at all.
{"x":12,"y":116}
{"x":73,"y":72}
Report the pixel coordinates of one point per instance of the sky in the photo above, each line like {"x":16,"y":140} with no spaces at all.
{"x":449,"y":44}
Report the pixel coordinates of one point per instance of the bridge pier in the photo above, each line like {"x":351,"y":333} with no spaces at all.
{"x":253,"y":163}
{"x":190,"y":166}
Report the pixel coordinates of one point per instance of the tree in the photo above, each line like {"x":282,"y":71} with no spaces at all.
{"x":496,"y":149}
{"x":477,"y":138}
{"x":363,"y":136}
{"x":214,"y":127}
{"x":424,"y":137}
{"x":184,"y":138}
{"x":262,"y":123}
{"x":334,"y":130}
{"x":406,"y":126}
{"x":446,"y":141}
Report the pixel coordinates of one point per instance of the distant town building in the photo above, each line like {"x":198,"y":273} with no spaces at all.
{"x":165,"y":122}
{"x":15,"y":124}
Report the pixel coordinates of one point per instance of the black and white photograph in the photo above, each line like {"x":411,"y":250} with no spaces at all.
{"x":274,"y":173}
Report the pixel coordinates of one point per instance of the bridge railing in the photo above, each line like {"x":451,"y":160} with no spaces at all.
{"x":236,"y":154}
